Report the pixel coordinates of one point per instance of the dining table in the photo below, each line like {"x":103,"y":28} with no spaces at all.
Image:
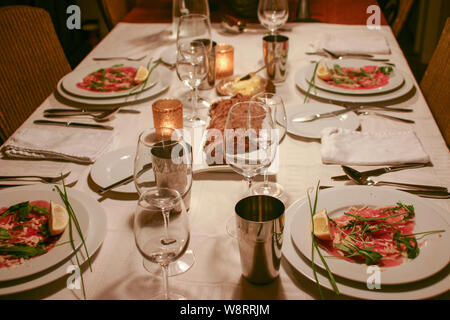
{"x":117,"y":266}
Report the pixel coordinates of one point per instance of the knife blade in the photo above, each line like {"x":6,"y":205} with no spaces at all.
{"x":119,"y":183}
{"x":324,"y":115}
{"x":73,"y":124}
{"x":380,"y":171}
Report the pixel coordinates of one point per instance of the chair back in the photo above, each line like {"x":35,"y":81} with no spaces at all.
{"x":115,"y":10}
{"x":32,"y":62}
{"x":404,"y":8}
{"x":435,"y":83}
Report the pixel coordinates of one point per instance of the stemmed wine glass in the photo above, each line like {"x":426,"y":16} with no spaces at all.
{"x":184,"y":7}
{"x":161,"y":230}
{"x":192,"y":68}
{"x":276,"y":106}
{"x":273,"y":14}
{"x":164,"y":160}
{"x":250,"y":142}
{"x":195,"y":27}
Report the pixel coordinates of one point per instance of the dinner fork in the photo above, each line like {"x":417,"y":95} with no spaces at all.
{"x":104,"y":116}
{"x":42,"y":178}
{"x":357,"y":55}
{"x":118,"y":58}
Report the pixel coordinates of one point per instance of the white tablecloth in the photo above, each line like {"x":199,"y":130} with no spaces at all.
{"x":117,"y":269}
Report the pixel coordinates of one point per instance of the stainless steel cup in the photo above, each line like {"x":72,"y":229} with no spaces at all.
{"x":259,"y":229}
{"x":210,"y":80}
{"x":275,"y":52}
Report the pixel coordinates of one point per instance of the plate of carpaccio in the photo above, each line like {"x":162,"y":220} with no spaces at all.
{"x":401,"y":234}
{"x":354,"y":76}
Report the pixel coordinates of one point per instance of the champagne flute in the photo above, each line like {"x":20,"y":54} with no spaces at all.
{"x":250,"y":142}
{"x":163,"y":159}
{"x":161,"y":230}
{"x":192,"y":68}
{"x":273,"y":14}
{"x":276,"y":105}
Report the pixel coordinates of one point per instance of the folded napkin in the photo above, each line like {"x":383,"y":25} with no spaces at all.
{"x":69,"y":144}
{"x":352,"y":43}
{"x":343,"y":146}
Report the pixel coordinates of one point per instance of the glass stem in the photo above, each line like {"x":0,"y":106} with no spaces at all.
{"x":266,"y":178}
{"x":194,"y":104}
{"x":249,"y":181}
{"x":166,"y":224}
{"x":165,"y":270}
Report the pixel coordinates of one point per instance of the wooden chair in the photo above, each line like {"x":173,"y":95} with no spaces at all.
{"x":404,"y":8}
{"x":31,"y":63}
{"x":435,"y":83}
{"x":115,"y":10}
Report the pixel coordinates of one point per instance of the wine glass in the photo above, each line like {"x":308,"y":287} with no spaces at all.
{"x":250,"y":142}
{"x":184,"y":7}
{"x":195,"y":27}
{"x":164,"y":160}
{"x":276,"y":105}
{"x":192,"y":68}
{"x":161,"y":230}
{"x":273,"y":14}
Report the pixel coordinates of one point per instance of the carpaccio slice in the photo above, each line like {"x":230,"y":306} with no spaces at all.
{"x":355,"y":79}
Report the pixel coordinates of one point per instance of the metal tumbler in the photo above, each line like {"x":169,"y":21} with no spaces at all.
{"x":275,"y":52}
{"x":210,"y":80}
{"x":259,"y":226}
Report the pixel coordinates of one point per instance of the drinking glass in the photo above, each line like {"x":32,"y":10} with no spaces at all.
{"x":164,"y":160}
{"x":275,"y":104}
{"x":161,"y":230}
{"x":184,"y":7}
{"x":250,"y":142}
{"x":195,"y":27}
{"x":192,"y":68}
{"x":273,"y":14}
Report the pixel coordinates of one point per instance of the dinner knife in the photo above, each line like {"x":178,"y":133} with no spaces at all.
{"x":324,"y":115}
{"x":73,"y":124}
{"x":126,"y":180}
{"x":56,"y":110}
{"x":380,"y":171}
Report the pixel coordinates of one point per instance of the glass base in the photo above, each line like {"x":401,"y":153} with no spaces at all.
{"x":195,"y":121}
{"x":181,"y":265}
{"x":171,"y":296}
{"x":270,"y":189}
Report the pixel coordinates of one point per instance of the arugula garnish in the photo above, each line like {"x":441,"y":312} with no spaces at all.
{"x":20,"y":250}
{"x":386,"y":69}
{"x":4,"y":234}
{"x":316,"y":246}
{"x":338,"y":70}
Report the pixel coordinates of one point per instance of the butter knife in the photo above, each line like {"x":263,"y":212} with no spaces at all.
{"x":380,"y":171}
{"x":324,"y":115}
{"x":73,"y":124}
{"x":126,"y":180}
{"x":99,"y":110}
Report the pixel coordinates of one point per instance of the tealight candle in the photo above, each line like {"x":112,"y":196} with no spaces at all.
{"x":168,"y":113}
{"x":224,"y":61}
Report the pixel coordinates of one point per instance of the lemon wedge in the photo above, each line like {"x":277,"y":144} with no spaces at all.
{"x":321,"y":225}
{"x":59,"y":218}
{"x":141,"y":74}
{"x":323,"y":72}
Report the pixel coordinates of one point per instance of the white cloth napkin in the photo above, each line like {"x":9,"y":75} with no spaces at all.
{"x":352,"y":43}
{"x":69,"y":144}
{"x":344,"y":146}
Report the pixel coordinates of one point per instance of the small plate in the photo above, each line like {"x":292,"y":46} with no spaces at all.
{"x":69,"y":82}
{"x":169,"y":55}
{"x":396,"y":79}
{"x":115,"y":166}
{"x":313,"y":129}
{"x":224,"y":87}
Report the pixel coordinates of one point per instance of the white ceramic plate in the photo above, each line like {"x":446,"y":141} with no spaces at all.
{"x":300,"y":81}
{"x":94,"y":238}
{"x":69,"y":82}
{"x":313,"y":129}
{"x":433,"y":256}
{"x":63,"y":248}
{"x":169,"y":55}
{"x":115,"y":166}
{"x":165,"y":78}
{"x":424,"y":289}
{"x":395,"y":81}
